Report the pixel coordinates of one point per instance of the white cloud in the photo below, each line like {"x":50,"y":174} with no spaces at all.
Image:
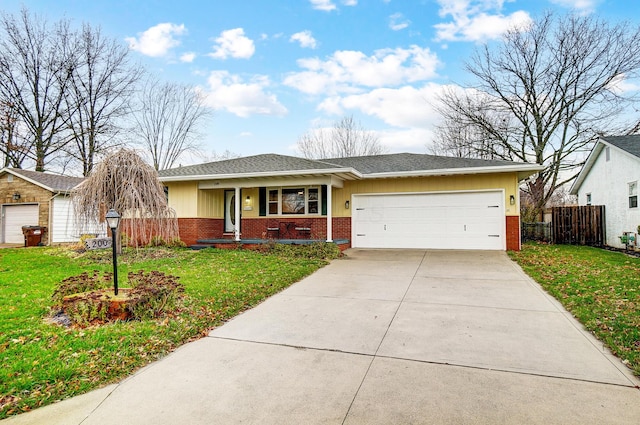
{"x":187,"y":57}
{"x":408,"y":111}
{"x":325,"y":5}
{"x":349,"y":71}
{"x":584,"y":6}
{"x":157,"y":40}
{"x":329,"y":5}
{"x":229,"y":92}
{"x":477,"y":20}
{"x":405,"y":107}
{"x":406,"y":139}
{"x":621,"y":85}
{"x":233,"y":43}
{"x":305,"y":39}
{"x":397,"y":22}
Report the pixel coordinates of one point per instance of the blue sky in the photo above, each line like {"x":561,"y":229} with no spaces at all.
{"x":273,"y":69}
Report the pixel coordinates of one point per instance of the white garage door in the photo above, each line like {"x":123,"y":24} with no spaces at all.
{"x":16,"y":216}
{"x":461,"y":220}
{"x":63,"y":224}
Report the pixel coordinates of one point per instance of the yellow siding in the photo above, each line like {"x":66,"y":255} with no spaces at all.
{"x":211,"y":203}
{"x":183,"y":197}
{"x":506,"y":181}
{"x":252,"y":193}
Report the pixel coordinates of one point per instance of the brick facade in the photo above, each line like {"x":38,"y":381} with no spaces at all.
{"x":194,"y":229}
{"x":513,"y":233}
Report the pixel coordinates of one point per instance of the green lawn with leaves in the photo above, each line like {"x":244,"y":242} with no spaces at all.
{"x":600,"y":288}
{"x":43,"y":363}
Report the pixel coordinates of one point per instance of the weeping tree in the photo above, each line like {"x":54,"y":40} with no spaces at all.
{"x":124,"y":182}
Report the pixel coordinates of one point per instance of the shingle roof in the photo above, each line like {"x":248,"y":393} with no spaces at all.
{"x":266,"y":163}
{"x":53,"y":182}
{"x":629,"y":143}
{"x":250,"y":164}
{"x":402,"y":162}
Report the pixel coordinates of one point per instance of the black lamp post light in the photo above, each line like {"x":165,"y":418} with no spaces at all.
{"x":113,"y":220}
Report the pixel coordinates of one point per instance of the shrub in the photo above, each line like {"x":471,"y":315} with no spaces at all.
{"x":84,"y":282}
{"x":88,"y":298}
{"x":155,"y":293}
{"x":316,"y":250}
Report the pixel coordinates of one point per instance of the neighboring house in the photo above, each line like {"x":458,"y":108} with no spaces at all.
{"x":383,"y":201}
{"x":31,"y":198}
{"x":610,"y":177}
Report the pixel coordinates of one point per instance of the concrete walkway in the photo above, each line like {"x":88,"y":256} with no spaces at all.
{"x":381,"y":337}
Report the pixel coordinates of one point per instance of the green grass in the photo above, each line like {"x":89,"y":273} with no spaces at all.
{"x":43,"y":363}
{"x":600,"y":288}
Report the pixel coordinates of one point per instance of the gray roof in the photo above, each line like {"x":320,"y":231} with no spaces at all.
{"x":629,"y":143}
{"x":391,"y":163}
{"x":403,"y":162}
{"x":250,"y":164}
{"x":52,"y":182}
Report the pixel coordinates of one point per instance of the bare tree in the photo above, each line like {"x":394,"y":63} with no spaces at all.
{"x":345,"y":139}
{"x":36,"y":63}
{"x":544,"y":92}
{"x":124,"y":182}
{"x":167,"y":121}
{"x":463,"y":140}
{"x":13,"y":147}
{"x":99,"y":94}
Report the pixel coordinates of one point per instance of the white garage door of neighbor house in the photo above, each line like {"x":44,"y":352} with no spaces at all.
{"x":63,"y":225}
{"x":16,"y":216}
{"x":461,"y":220}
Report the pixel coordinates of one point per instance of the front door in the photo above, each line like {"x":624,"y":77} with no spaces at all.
{"x":229,"y":211}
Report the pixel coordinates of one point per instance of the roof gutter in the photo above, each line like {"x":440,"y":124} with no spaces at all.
{"x":523,"y":171}
{"x":286,"y":173}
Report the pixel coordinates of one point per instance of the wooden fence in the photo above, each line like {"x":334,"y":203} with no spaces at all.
{"x":583,"y":225}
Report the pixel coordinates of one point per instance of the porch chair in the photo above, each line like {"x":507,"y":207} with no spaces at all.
{"x":304,"y":228}
{"x":273,"y":228}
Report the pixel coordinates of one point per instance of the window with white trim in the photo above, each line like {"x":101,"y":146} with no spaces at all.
{"x":293,"y":201}
{"x":588,"y":199}
{"x":274,"y":201}
{"x":633,"y":194}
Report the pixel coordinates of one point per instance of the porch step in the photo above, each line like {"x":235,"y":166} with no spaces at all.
{"x":210,"y":243}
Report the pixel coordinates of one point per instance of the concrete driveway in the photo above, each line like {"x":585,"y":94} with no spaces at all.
{"x":381,"y":337}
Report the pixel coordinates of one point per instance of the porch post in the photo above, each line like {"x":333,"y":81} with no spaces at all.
{"x":329,"y":216}
{"x":238,"y":218}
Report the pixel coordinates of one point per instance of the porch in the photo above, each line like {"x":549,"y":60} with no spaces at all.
{"x":259,"y":230}
{"x":248,"y":243}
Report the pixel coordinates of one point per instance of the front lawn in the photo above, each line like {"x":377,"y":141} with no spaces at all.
{"x":43,"y":363}
{"x":600,"y":288}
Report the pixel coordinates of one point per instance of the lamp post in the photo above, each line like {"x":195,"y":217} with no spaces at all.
{"x":113,"y":219}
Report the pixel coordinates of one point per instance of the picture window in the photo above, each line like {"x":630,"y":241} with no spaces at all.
{"x":294,"y":201}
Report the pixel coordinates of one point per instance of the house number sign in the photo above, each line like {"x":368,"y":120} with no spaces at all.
{"x":97,"y":243}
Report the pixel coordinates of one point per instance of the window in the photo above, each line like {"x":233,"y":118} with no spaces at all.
{"x":607,"y":152}
{"x":633,"y":194}
{"x":294,"y":201}
{"x":588,"y":199}
{"x":273,"y":201}
{"x":313,"y":200}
